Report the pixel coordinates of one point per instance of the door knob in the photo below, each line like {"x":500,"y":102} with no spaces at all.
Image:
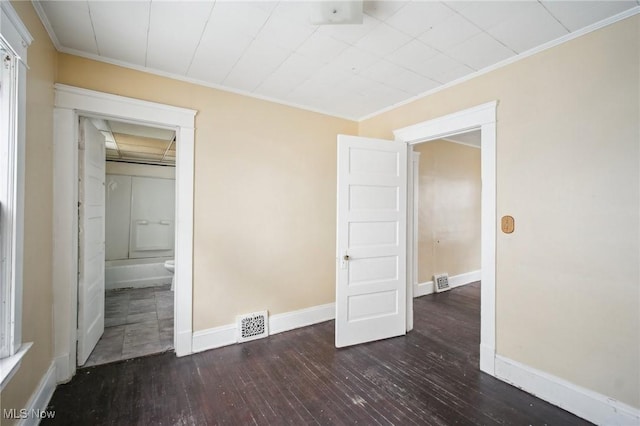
{"x":346,"y":257}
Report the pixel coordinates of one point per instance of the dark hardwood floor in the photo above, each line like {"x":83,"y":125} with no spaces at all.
{"x":428,"y":377}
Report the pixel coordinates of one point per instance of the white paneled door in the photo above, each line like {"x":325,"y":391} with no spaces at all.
{"x":91,"y":196}
{"x":371,"y":241}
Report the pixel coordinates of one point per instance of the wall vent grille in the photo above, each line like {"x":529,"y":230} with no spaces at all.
{"x":252,"y":326}
{"x":441,"y":282}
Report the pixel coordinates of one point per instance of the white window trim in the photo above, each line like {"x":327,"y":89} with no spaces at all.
{"x":17,"y":38}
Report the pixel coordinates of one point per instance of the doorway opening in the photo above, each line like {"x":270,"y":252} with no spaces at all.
{"x":375,"y":230}
{"x":70,"y":104}
{"x":481,"y":118}
{"x":126,"y":307}
{"x":446,"y":211}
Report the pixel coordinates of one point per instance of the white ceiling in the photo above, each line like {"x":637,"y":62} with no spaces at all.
{"x":268,"y":49}
{"x":470,"y":138}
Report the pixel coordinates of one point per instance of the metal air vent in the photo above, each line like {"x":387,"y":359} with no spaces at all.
{"x":252,"y":326}
{"x":441,"y":282}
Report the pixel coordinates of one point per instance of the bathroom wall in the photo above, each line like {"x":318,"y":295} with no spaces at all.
{"x":140,"y":228}
{"x":140,"y":211}
{"x":152,"y":225}
{"x":140,"y":217}
{"x":448,"y":209}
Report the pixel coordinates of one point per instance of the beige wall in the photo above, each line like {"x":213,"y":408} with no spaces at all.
{"x":265,"y":178}
{"x":38,"y":221}
{"x":568,"y":281}
{"x":448,"y":209}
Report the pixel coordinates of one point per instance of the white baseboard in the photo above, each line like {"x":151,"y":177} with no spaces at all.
{"x":215,"y":337}
{"x":422,"y":289}
{"x":63,"y":374}
{"x":301,"y":318}
{"x":582,"y":402}
{"x":184,"y":341}
{"x":488,"y":359}
{"x":40,"y":398}
{"x":226,"y":335}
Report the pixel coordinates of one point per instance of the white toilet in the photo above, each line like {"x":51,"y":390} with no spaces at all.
{"x":171,"y":267}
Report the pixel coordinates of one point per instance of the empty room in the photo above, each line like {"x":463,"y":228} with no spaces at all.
{"x":320,"y":212}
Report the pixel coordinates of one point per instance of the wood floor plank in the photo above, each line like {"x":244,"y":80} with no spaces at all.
{"x":428,"y":377}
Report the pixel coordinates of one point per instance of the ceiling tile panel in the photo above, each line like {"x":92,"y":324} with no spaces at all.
{"x":354,"y":59}
{"x":532,"y":27}
{"x":121,"y":29}
{"x":174,"y":33}
{"x":455,"y":74}
{"x":267,"y":6}
{"x":419,"y":16}
{"x":293,"y":71}
{"x":219,"y":50}
{"x":397,"y":77}
{"x":382,"y":9}
{"x":356,"y":83}
{"x":446,"y":34}
{"x":382,"y":71}
{"x":350,"y":33}
{"x":413,"y":56}
{"x":297,"y":12}
{"x":439,"y":66}
{"x":284,"y":32}
{"x":78,"y":36}
{"x":382,"y":94}
{"x":480,"y":51}
{"x":577,"y":14}
{"x":458,"y":5}
{"x":486,"y":14}
{"x":238,"y":17}
{"x":141,"y":131}
{"x":255,"y":65}
{"x":275,"y":86}
{"x":328,"y":76}
{"x":351,"y":104}
{"x":318,"y":97}
{"x":322,"y":47}
{"x":382,"y":40}
{"x":412,"y":83}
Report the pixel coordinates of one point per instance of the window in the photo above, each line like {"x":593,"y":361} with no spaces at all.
{"x":14,"y":40}
{"x":7,"y":199}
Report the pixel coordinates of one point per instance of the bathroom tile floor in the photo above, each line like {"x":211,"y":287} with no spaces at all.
{"x":137,"y":322}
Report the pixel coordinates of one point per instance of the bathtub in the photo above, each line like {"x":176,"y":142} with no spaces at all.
{"x":136,"y":273}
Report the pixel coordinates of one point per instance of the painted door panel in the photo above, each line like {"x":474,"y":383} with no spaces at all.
{"x":371,"y":240}
{"x":91,"y":156}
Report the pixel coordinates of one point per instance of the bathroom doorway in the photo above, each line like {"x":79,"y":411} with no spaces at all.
{"x":70,"y":103}
{"x":131,"y":312}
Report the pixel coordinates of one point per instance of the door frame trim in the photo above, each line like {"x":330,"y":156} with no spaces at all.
{"x":482,"y":117}
{"x":70,"y":103}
